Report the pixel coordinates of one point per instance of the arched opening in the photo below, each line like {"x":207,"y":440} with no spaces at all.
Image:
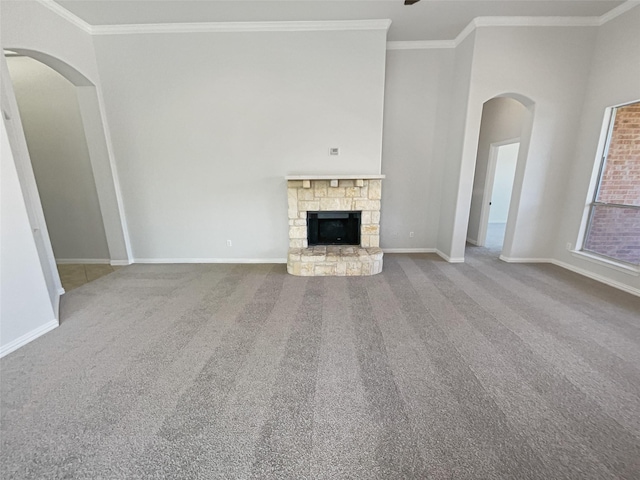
{"x":503,"y":144}
{"x":496,"y":161}
{"x":95,"y":178}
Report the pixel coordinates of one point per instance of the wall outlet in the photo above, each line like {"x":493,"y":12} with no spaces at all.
{"x":334,"y":151}
{"x":229,"y":244}
{"x":568,"y":245}
{"x":411,"y":234}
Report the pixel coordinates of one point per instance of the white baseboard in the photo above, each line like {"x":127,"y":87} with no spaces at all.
{"x":581,"y":271}
{"x":599,"y":278}
{"x":472,"y":241}
{"x":210,"y":260}
{"x":409,"y":250}
{"x":524,"y":260}
{"x":120,"y":263}
{"x":85,"y":261}
{"x":27,"y":337}
{"x":450,"y":259}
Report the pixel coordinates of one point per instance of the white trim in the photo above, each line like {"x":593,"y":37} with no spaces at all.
{"x":337,"y":25}
{"x":525,"y":260}
{"x":66,"y":14}
{"x":616,"y":12}
{"x":599,"y":278}
{"x":536,"y":21}
{"x":466,"y":31}
{"x":448,"y":258}
{"x":409,"y":250}
{"x":120,"y":263}
{"x":28,"y":337}
{"x":541,"y":21}
{"x":420,"y":44}
{"x":472,"y":241}
{"x":56,"y":304}
{"x":578,"y":270}
{"x":84,"y":261}
{"x":597,"y":259}
{"x":210,"y":260}
{"x":229,"y":27}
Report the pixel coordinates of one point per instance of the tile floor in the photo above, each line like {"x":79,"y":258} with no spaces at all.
{"x":75,"y":275}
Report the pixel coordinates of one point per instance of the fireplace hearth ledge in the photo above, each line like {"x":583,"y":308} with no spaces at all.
{"x":334,"y":193}
{"x":334,"y":260}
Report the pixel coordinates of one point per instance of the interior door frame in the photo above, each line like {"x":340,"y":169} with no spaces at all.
{"x":488,"y":188}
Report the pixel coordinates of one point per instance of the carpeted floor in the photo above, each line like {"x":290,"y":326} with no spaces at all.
{"x":429,"y":371}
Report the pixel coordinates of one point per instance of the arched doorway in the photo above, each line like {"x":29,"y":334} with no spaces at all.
{"x":495,"y":167}
{"x":104,"y":175}
{"x":467,"y":171}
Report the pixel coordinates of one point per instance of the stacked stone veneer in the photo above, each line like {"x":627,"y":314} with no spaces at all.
{"x":361,"y":195}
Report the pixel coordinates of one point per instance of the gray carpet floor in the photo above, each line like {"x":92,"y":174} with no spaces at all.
{"x":483,"y":370}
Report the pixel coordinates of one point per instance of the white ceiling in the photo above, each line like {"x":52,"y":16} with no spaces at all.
{"x":426,"y":20}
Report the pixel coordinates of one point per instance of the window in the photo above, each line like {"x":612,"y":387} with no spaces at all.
{"x":613,"y":229}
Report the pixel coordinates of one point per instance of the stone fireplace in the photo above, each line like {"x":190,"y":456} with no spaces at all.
{"x":339,"y":200}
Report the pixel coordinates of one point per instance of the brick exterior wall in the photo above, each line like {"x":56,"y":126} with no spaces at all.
{"x":621,"y":179}
{"x":615,"y":232}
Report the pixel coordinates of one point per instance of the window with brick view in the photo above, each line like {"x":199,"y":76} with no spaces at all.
{"x":614,"y":223}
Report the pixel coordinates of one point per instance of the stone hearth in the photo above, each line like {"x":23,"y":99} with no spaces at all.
{"x":318,"y":193}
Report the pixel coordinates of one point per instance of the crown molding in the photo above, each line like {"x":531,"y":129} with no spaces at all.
{"x":228,"y":27}
{"x":480,"y":22}
{"x":420,"y":45}
{"x":223,"y":27}
{"x":66,"y":14}
{"x":536,"y":21}
{"x":616,"y":12}
{"x":339,"y":25}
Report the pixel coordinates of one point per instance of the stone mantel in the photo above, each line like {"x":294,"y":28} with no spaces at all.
{"x":337,"y":192}
{"x":364,"y":176}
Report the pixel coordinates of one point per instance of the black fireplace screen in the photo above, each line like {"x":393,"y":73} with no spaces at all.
{"x":333,"y":228}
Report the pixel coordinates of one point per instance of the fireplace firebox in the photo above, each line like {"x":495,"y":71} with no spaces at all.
{"x":333,"y":228}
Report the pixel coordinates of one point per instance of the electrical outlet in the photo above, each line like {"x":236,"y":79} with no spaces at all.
{"x":568,"y":245}
{"x":334,"y":151}
{"x":229,"y":244}
{"x":411,"y":234}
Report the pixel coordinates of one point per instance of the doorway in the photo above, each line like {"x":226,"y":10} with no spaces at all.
{"x":53,"y":128}
{"x":497,"y":196}
{"x":495,"y":174}
{"x":98,"y":178}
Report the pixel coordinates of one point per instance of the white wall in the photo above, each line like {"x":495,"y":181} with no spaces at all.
{"x":30,"y":27}
{"x":27,"y":24}
{"x":25,"y":309}
{"x":410,"y":199}
{"x":205,"y":126}
{"x":502,"y":119}
{"x":58,"y":149}
{"x":457,"y":140}
{"x":614,"y":79}
{"x":506,"y":160}
{"x":550,"y":66}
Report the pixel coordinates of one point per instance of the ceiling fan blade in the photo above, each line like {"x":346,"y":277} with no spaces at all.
{"x":410,"y":2}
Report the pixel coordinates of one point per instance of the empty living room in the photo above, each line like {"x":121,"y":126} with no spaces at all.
{"x":320,"y":239}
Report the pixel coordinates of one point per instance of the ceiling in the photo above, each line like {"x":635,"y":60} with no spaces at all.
{"x":426,"y":20}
